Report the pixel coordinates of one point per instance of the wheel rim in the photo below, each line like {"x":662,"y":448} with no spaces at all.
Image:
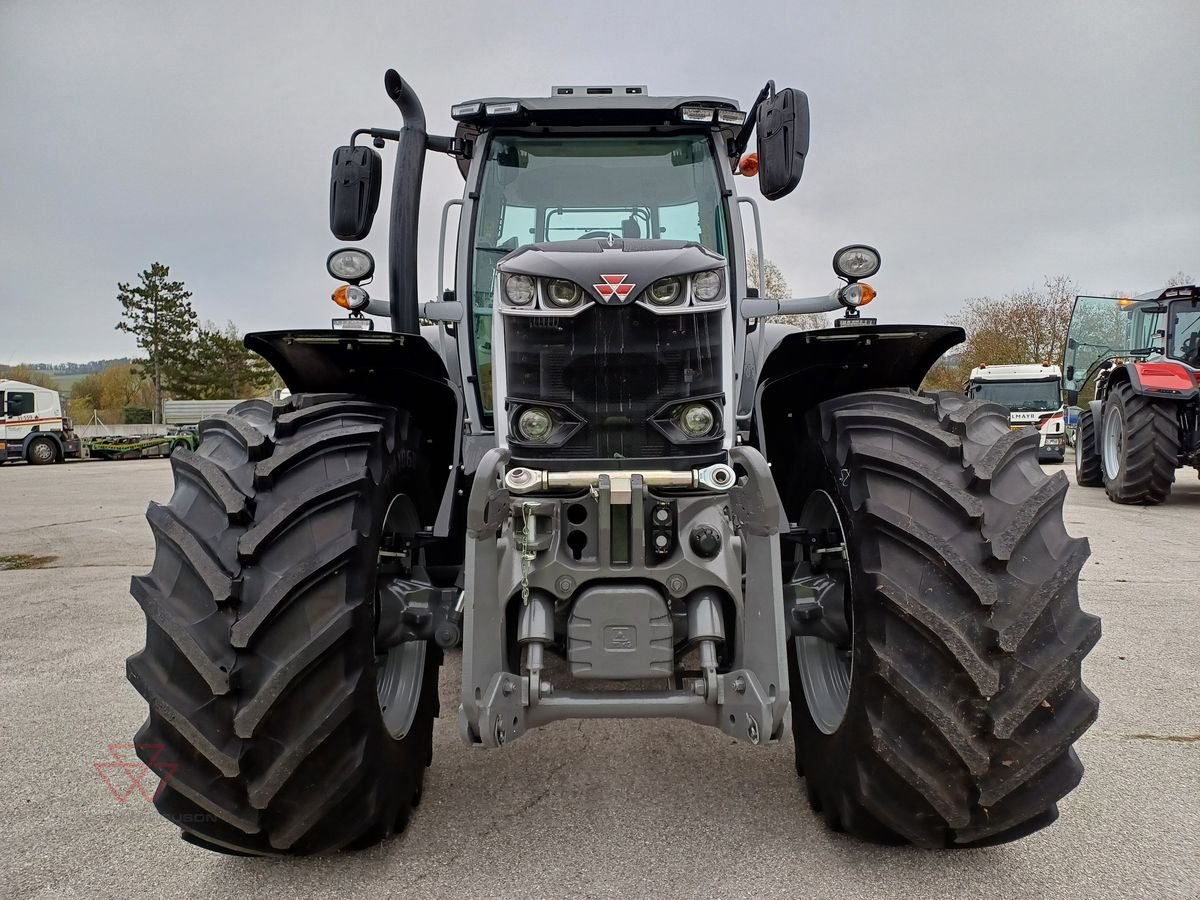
{"x":399,"y":680}
{"x":1113,"y":443}
{"x":41,"y":452}
{"x":400,"y":673}
{"x":826,"y":670}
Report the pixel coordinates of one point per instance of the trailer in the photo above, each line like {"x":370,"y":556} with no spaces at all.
{"x":141,"y":446}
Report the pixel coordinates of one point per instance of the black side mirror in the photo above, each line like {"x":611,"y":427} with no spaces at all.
{"x":354,"y":192}
{"x":783,"y":129}
{"x":1072,"y":398}
{"x":1070,"y":373}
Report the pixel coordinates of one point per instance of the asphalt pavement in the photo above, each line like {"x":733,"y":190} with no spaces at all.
{"x":592,"y":809}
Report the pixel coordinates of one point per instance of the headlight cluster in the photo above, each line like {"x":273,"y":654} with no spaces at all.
{"x":561,"y":293}
{"x":706,"y":287}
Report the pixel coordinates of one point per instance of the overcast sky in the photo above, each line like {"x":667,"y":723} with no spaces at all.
{"x":979,"y":145}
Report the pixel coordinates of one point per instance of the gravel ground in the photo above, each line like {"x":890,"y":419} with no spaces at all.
{"x":598,"y":809}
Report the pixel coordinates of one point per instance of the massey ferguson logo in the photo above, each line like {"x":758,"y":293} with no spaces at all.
{"x":614,"y":287}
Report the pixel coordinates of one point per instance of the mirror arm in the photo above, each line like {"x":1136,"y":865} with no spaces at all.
{"x":378,"y":134}
{"x":757,"y":307}
{"x":742,"y":141}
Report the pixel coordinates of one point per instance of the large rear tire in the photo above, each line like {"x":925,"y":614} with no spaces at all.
{"x":1087,"y":457}
{"x":960,"y":695}
{"x":1139,"y":446}
{"x":267,"y":722}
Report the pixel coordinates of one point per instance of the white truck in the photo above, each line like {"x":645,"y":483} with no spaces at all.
{"x":32,"y":425}
{"x":1033,"y":395}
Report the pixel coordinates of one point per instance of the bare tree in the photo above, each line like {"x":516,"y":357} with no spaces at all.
{"x":777,"y":289}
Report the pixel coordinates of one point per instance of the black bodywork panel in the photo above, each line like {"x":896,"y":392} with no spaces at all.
{"x":639,"y":262}
{"x":809,"y":367}
{"x":400,"y":370}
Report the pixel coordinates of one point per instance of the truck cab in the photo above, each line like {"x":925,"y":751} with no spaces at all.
{"x":1033,"y":395}
{"x":32,"y":426}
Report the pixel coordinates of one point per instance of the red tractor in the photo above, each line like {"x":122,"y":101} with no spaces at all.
{"x":1143,"y":354}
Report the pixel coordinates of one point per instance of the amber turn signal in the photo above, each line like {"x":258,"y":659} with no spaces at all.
{"x":749,"y":165}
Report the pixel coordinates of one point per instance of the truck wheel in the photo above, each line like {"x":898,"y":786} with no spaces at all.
{"x":274,"y":725}
{"x":41,"y":452}
{"x":1139,"y":447}
{"x":1087,"y":458}
{"x":945,"y":714}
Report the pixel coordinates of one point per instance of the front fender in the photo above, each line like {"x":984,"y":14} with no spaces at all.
{"x":809,"y":367}
{"x":400,"y":370}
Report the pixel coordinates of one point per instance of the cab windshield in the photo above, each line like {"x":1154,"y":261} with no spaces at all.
{"x":1020,"y":396}
{"x":539,"y":189}
{"x":1108,"y":327}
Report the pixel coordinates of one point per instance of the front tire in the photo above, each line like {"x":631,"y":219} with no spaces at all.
{"x":964,"y":695}
{"x":1139,"y":447}
{"x":41,"y":452}
{"x":1087,"y":458}
{"x":266,"y":723}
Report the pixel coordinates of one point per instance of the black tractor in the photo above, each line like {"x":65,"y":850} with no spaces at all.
{"x":1139,"y":358}
{"x":595,"y":462}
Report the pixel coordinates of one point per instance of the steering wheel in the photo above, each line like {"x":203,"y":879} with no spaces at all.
{"x":610,"y":235}
{"x":1190,"y":351}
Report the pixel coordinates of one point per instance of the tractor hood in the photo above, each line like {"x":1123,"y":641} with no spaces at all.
{"x":612,"y":272}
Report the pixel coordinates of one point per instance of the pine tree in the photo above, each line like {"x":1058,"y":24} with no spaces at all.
{"x":158,"y":313}
{"x":222,"y":367}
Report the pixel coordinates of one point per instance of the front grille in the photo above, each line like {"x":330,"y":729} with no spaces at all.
{"x":614,"y":367}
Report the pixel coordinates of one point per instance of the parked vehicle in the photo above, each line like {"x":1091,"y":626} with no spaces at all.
{"x":1143,"y":354}
{"x":596,"y":451}
{"x":1033,"y":395}
{"x":32,"y":425}
{"x":142,"y":446}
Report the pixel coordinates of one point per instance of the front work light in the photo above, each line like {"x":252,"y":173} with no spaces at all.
{"x":351,"y":265}
{"x":856,"y":261}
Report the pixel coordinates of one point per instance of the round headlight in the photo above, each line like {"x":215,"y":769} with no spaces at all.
{"x":663,"y":292}
{"x":563,"y":293}
{"x":519,"y":289}
{"x":856,"y":261}
{"x":696,"y":420}
{"x":706,"y":285}
{"x":350,"y":265}
{"x":534,"y":424}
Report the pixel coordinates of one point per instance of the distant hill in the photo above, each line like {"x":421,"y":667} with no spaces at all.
{"x":57,"y":370}
{"x":65,"y":375}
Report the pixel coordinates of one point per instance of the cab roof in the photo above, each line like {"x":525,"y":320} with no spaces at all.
{"x":601,"y":106}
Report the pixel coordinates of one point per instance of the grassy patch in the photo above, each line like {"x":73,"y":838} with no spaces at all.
{"x":25,"y":561}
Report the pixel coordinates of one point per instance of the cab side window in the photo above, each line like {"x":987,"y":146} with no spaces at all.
{"x":18,"y":403}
